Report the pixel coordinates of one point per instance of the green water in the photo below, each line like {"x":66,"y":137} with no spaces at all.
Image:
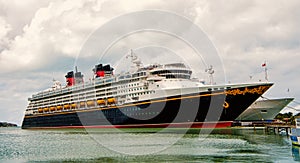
{"x":227,"y":145}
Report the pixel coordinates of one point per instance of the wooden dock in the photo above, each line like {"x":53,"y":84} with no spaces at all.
{"x":279,"y":128}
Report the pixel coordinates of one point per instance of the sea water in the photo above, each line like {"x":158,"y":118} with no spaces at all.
{"x":144,"y":145}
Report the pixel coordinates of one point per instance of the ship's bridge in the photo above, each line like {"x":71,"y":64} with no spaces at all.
{"x":173,"y":70}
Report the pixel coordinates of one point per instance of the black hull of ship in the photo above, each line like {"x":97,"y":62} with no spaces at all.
{"x":190,"y":110}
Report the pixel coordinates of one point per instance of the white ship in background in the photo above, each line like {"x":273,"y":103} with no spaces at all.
{"x":264,"y":109}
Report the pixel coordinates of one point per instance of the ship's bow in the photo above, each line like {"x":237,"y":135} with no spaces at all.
{"x":240,"y":97}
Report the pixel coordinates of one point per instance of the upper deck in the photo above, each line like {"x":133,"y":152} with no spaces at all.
{"x":142,"y":84}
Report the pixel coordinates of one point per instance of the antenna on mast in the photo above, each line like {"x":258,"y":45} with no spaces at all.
{"x":266,"y":70}
{"x":134,"y":59}
{"x":210,"y":71}
{"x":76,"y":69}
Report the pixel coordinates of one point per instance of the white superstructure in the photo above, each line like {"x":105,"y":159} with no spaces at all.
{"x":106,"y":89}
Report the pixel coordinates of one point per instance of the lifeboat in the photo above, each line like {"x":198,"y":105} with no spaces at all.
{"x":46,"y":109}
{"x":52,"y":108}
{"x":111,"y":100}
{"x":82,"y":104}
{"x":66,"y":106}
{"x":73,"y":106}
{"x":90,"y":103}
{"x":40,"y":110}
{"x":59,"y":107}
{"x":100,"y":102}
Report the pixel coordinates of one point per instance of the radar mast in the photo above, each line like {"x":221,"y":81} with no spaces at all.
{"x":210,"y":71}
{"x":136,"y":62}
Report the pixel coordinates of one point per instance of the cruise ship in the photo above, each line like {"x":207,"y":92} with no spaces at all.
{"x":155,"y":96}
{"x":264,"y":109}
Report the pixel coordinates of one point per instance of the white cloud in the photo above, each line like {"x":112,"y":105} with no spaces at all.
{"x":61,"y":29}
{"x":246,"y":25}
{"x":4,"y":29}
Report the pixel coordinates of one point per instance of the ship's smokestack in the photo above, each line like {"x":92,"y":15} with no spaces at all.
{"x":74,"y":78}
{"x":102,"y":71}
{"x":70,"y":78}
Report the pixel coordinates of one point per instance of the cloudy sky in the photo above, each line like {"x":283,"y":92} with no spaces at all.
{"x":43,"y":39}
